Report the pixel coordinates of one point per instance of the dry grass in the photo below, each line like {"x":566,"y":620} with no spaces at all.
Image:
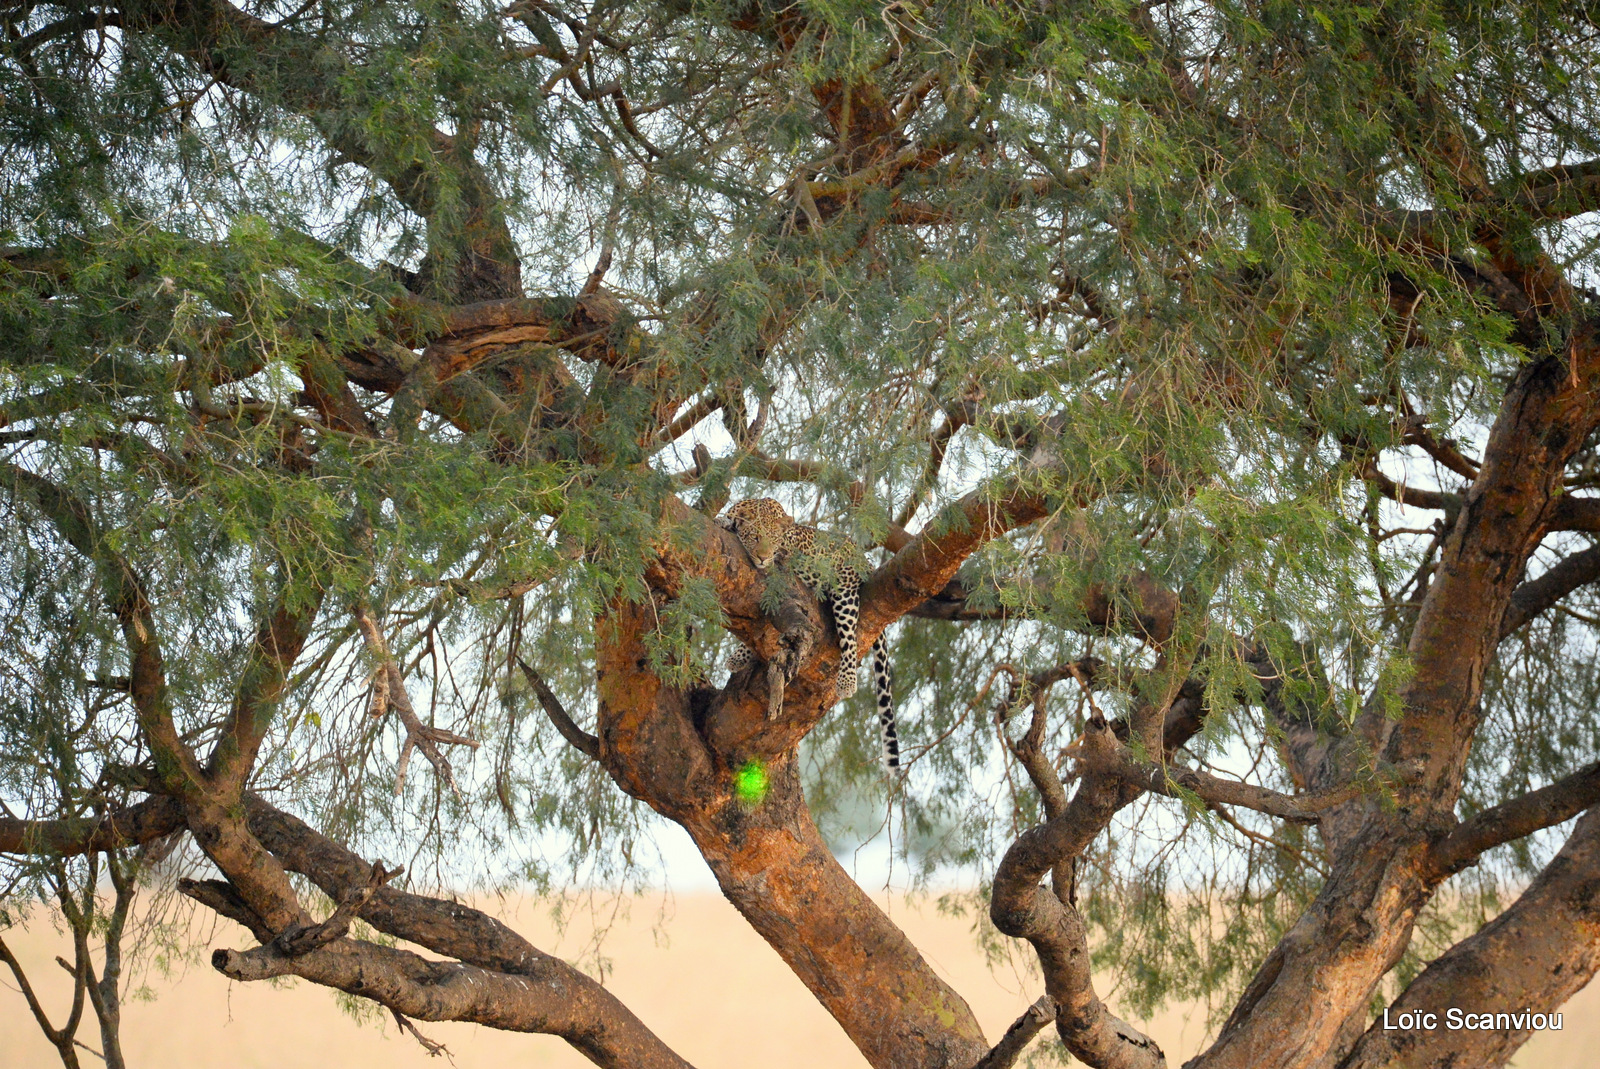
{"x":706,"y":983}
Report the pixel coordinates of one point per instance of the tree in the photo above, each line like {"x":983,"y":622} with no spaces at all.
{"x":374,"y":372}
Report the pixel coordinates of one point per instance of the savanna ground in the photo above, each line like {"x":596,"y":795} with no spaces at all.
{"x":667,"y":957}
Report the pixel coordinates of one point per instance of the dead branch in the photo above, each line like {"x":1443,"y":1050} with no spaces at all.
{"x":434,"y":1049}
{"x":1034,"y":1019}
{"x":418,"y":735}
{"x":303,"y":940}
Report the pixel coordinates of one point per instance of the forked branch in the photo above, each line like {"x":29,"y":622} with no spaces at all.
{"x":494,"y":976}
{"x":389,"y":692}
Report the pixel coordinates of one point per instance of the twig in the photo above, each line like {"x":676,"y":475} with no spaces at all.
{"x":434,"y":1049}
{"x":299,"y":941}
{"x":1267,"y":840}
{"x":1034,"y":1019}
{"x":418,"y":734}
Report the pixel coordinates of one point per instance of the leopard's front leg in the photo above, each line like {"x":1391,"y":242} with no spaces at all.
{"x":846,"y":607}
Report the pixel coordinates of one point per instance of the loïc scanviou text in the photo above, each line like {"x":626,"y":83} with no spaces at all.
{"x":1458,"y":1020}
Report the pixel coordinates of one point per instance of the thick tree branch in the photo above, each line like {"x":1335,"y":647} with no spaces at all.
{"x":1543,"y":808}
{"x":1021,"y":907}
{"x":137,"y":824}
{"x":1572,"y":513}
{"x":220,"y":897}
{"x":427,"y":990}
{"x":546,"y":994}
{"x":775,"y":867}
{"x":1380,"y":879}
{"x":1532,"y":958}
{"x":926,"y":565}
{"x":1537,"y":596}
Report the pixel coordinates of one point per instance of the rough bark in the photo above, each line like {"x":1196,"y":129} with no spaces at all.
{"x":497,"y":978}
{"x":769,"y":858}
{"x":140,"y":823}
{"x":1022,"y":907}
{"x":773,"y":865}
{"x":451,"y":991}
{"x":1532,"y":958}
{"x":1361,"y":922}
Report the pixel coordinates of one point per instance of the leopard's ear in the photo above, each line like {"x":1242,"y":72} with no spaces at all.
{"x":727,"y":523}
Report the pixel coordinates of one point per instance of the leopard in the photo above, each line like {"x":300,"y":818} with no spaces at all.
{"x":826,"y":565}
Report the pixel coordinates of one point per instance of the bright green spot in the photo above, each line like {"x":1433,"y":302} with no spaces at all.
{"x":751,"y":783}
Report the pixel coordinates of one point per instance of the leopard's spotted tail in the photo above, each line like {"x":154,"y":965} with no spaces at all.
{"x":883,"y":687}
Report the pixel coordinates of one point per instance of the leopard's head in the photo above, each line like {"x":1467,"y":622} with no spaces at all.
{"x":759,"y":524}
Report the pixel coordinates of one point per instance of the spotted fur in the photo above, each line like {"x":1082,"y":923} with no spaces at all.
{"x":827,"y":566}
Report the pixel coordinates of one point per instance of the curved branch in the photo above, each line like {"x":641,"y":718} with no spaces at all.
{"x":1021,"y":907}
{"x":581,"y":740}
{"x":1537,"y":596}
{"x":542,"y":993}
{"x":1544,"y":808}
